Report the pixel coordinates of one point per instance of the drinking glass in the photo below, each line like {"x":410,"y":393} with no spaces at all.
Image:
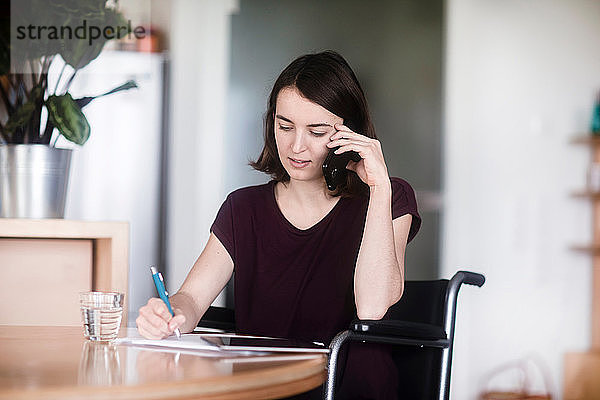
{"x":101,"y":314}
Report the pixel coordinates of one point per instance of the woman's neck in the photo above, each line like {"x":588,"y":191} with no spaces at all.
{"x":306,"y":193}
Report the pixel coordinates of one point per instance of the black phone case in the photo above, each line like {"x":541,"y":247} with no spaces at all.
{"x":334,"y":167}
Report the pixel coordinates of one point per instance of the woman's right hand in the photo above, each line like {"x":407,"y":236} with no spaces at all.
{"x":156,"y":322}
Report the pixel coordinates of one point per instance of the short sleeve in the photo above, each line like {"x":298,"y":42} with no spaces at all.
{"x":222,"y":227}
{"x":404,"y":202}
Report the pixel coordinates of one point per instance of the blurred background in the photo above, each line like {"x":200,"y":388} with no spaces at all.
{"x":476,"y":103}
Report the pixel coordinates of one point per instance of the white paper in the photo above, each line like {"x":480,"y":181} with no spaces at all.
{"x":211,"y":344}
{"x":186,"y":342}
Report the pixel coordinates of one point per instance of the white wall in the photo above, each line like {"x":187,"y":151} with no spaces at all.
{"x":520,"y":82}
{"x":200,"y":34}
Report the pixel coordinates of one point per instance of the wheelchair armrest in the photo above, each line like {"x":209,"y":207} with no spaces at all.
{"x":404,"y":329}
{"x":471,"y":278}
{"x":218,"y":318}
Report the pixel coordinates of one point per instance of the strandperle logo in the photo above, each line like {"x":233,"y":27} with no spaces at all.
{"x":82,"y":31}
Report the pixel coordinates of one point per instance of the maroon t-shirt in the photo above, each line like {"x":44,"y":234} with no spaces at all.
{"x":297,"y":283}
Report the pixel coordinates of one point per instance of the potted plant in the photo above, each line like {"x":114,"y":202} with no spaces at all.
{"x":33,"y":114}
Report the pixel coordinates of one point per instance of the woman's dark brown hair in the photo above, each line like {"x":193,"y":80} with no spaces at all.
{"x":327,"y":80}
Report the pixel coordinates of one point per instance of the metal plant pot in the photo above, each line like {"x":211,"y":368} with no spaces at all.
{"x":33,"y":181}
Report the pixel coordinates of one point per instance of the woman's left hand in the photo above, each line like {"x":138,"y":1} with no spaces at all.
{"x":371,"y":169}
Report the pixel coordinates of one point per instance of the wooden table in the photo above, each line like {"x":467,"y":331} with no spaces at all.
{"x":58,"y":363}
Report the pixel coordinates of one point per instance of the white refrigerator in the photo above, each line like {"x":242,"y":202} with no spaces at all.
{"x":118,"y":175}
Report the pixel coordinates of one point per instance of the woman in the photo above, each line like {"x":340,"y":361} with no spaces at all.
{"x":307,"y":260}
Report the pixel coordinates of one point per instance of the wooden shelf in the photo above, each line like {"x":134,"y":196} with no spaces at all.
{"x":581,"y":376}
{"x":587,"y":248}
{"x":74,"y":255}
{"x":586,"y":194}
{"x":587,"y":139}
{"x":581,"y":370}
{"x":62,"y":229}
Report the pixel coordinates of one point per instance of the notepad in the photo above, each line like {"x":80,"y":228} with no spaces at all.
{"x":226,"y":344}
{"x":187,"y":342}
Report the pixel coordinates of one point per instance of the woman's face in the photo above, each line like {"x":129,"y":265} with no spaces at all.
{"x":302,"y":131}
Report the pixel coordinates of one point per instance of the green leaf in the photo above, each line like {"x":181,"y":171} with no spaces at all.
{"x":24,"y":115}
{"x":80,"y":52}
{"x":59,"y":15}
{"x":67,"y":117}
{"x":20,"y":117}
{"x":84,"y":101}
{"x":130,"y":84}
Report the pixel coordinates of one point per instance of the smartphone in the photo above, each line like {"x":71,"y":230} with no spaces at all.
{"x":334,"y":167}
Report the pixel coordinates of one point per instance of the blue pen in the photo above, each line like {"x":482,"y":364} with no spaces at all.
{"x":162,"y":293}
